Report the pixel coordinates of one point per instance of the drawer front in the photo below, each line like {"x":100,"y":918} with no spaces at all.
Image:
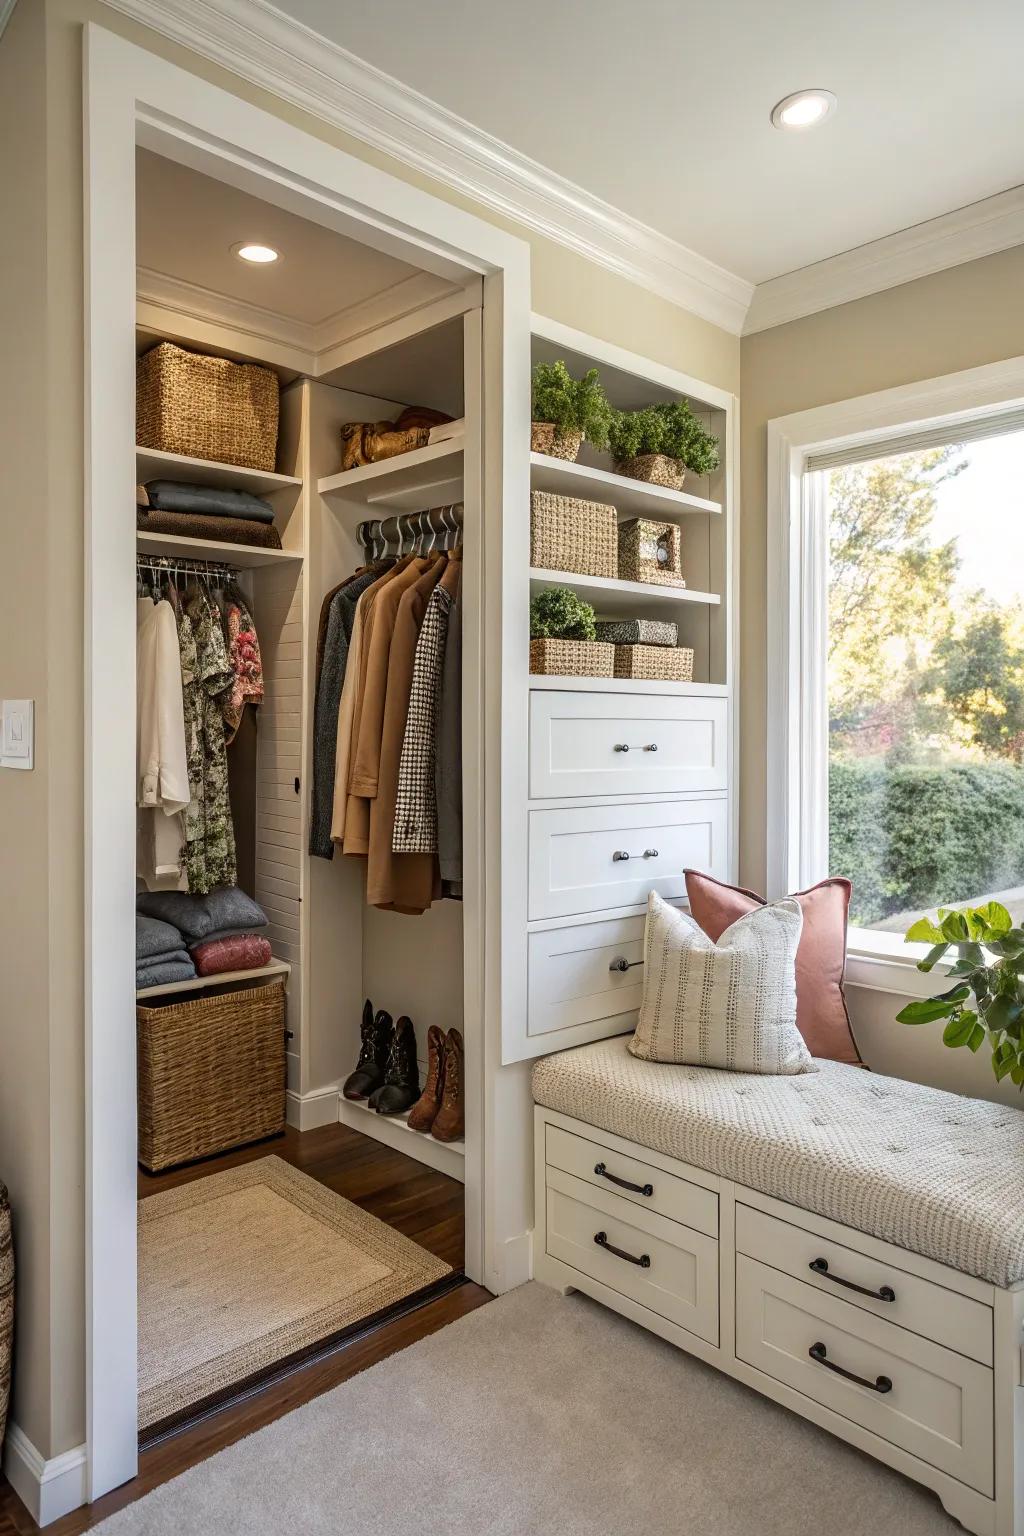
{"x":959,"y":1322}
{"x":630,"y":1179}
{"x":589,"y":858}
{"x":618,"y":744}
{"x":939,"y":1405}
{"x":572,"y":984}
{"x":680,"y":1278}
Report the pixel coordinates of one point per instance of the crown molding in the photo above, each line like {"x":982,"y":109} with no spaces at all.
{"x":257,"y":42}
{"x":981,"y":229}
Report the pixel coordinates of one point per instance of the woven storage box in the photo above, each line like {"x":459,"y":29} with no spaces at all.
{"x":655,"y":663}
{"x":6,"y":1306}
{"x":572,"y":658}
{"x":546,"y":438}
{"x":206,"y":407}
{"x":211,"y":1074}
{"x":638,"y":632}
{"x":656,"y":469}
{"x":567,"y":534}
{"x":641,"y":543}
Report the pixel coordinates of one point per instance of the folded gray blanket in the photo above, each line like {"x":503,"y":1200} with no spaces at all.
{"x":210,"y":500}
{"x":155,"y":939}
{"x":176,"y":967}
{"x":226,"y":910}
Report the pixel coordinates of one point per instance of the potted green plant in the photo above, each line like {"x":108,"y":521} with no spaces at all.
{"x":660,"y":443}
{"x":986,"y":998}
{"x":562,"y":637}
{"x":566,"y":411}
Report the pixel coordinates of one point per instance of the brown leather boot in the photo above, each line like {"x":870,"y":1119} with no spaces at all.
{"x":450,"y":1121}
{"x":424,"y":1111}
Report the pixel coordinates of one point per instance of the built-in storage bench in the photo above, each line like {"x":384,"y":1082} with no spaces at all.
{"x":849,"y":1245}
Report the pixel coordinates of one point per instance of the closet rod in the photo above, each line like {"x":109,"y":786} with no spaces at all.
{"x":172,"y":563}
{"x":438,"y":528}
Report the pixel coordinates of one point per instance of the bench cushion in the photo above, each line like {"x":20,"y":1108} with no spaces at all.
{"x":929,"y":1171}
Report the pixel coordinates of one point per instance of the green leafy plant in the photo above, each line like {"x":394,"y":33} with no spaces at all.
{"x":987,"y":974}
{"x":571,"y":405}
{"x":670,"y":428}
{"x":558,"y":614}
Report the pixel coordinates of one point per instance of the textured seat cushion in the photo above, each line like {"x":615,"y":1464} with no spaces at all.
{"x":929,"y":1171}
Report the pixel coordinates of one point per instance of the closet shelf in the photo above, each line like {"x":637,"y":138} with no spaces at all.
{"x":631,"y":498}
{"x":244,"y":556}
{"x":444,"y":1156}
{"x":612,"y":597}
{"x":150,"y":464}
{"x":221,"y":979}
{"x":410,"y":482}
{"x":630,"y":685}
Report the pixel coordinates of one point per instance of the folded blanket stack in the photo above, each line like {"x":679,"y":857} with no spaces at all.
{"x":208,"y":512}
{"x":221,"y":931}
{"x":160,"y":954}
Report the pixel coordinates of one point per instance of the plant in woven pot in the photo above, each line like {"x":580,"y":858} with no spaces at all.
{"x":660,"y":443}
{"x":566,"y":411}
{"x":562,"y":631}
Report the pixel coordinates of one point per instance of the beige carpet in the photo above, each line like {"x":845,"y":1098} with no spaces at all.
{"x":242,"y":1269}
{"x":537,"y":1414}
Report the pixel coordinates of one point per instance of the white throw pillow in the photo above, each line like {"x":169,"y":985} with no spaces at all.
{"x":730,"y":1004}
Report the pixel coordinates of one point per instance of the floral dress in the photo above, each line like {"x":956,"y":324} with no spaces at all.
{"x":206,"y":674}
{"x":244,"y":661}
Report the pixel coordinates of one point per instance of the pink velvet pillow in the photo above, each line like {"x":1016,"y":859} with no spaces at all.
{"x":821,"y":1014}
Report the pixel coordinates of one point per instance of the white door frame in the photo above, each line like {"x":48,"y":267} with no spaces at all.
{"x":133,"y":97}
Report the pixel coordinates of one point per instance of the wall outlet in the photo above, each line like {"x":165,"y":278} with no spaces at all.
{"x":17,"y":733}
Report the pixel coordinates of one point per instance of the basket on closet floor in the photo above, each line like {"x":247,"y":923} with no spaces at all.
{"x":571,"y":658}
{"x":211,"y":1074}
{"x":655,"y":663}
{"x":206,"y":407}
{"x":650,"y":551}
{"x":568,"y":534}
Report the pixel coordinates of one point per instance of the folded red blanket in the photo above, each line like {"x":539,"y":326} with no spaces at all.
{"x":240,"y":952}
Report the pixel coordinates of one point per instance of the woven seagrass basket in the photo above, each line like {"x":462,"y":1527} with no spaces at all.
{"x":650,"y":552}
{"x":567,"y":534}
{"x":206,"y":407}
{"x":656,"y":469}
{"x":655,"y":663}
{"x":638,"y":632}
{"x":211,"y":1074}
{"x":571,"y":658}
{"x":546,"y":438}
{"x":6,"y":1306}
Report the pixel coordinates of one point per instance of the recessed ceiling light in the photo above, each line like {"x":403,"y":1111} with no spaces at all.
{"x":257,"y":255}
{"x":803,"y":109}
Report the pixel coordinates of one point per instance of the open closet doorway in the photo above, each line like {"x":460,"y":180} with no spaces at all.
{"x":308,"y":587}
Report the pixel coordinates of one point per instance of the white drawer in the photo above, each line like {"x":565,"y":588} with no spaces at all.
{"x":632,"y":1180}
{"x":679,"y":1279}
{"x":571,"y":983}
{"x":946,"y":1317}
{"x":578,"y":857}
{"x":622,"y":744}
{"x":938,"y":1405}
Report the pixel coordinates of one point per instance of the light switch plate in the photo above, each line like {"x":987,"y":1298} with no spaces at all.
{"x":17,"y":733}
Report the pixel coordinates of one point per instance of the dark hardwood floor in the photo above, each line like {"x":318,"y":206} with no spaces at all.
{"x":426,"y":1206}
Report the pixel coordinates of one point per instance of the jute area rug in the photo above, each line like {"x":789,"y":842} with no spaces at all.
{"x":538,"y":1414}
{"x":241,"y":1270}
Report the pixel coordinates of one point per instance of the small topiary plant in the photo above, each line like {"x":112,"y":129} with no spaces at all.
{"x":571,"y":405}
{"x":671,"y":429}
{"x":558,"y":614}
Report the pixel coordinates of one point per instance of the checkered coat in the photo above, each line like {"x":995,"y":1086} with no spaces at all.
{"x":416,"y":805}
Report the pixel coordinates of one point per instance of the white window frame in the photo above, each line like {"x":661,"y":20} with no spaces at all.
{"x":797,"y":730}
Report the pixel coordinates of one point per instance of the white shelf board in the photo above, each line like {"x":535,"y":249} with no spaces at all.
{"x":612,"y":597}
{"x":244,"y":556}
{"x":628,"y":685}
{"x":444,"y":1156}
{"x":221,"y":979}
{"x":150,"y":464}
{"x":631,"y":498}
{"x":410,"y":482}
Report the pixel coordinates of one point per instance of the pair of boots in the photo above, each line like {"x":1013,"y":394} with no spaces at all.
{"x":387,"y":1073}
{"x":441,"y":1107}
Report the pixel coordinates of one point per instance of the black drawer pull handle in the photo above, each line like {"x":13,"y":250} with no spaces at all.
{"x":622,"y":964}
{"x":638,"y":1189}
{"x":884,"y":1292}
{"x":601,"y":1239}
{"x":880,"y":1384}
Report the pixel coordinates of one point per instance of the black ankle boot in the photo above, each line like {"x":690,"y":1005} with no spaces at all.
{"x":375,"y":1036}
{"x":401,"y":1086}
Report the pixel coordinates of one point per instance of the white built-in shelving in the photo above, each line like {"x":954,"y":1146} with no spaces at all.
{"x":243,"y":556}
{"x":631,"y":498}
{"x":150,"y":464}
{"x":394,"y":1130}
{"x":410,"y":482}
{"x":219,"y":979}
{"x":611,"y":597}
{"x":627,"y":685}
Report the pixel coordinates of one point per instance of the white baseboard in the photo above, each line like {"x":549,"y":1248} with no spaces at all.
{"x":515,"y":1263}
{"x":48,"y":1489}
{"x":308,"y":1111}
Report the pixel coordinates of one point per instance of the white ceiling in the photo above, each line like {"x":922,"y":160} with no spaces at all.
{"x":662,"y":107}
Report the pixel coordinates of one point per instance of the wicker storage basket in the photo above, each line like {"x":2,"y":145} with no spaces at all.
{"x":206,"y":407}
{"x":641,"y":543}
{"x":572,"y":658}
{"x":571,"y":535}
{"x":661,"y":663}
{"x":546,"y":438}
{"x":638,"y":632}
{"x":211,"y":1074}
{"x":6,"y":1306}
{"x":656,"y":469}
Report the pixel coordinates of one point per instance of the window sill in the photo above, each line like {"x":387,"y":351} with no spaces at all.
{"x":883,"y":962}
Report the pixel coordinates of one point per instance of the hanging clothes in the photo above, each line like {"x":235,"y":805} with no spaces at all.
{"x":206,"y":675}
{"x":448,"y":762}
{"x":244,"y":660}
{"x":415,"y":828}
{"x":162,"y":785}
